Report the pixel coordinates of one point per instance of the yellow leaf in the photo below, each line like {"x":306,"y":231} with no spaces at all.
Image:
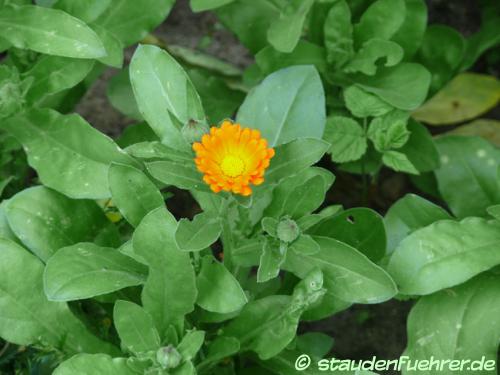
{"x":488,"y":129}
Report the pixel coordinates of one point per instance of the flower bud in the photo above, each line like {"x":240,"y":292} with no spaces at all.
{"x":194,"y":130}
{"x":287,"y":230}
{"x":168,"y":357}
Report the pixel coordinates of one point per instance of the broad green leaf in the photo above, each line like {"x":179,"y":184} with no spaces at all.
{"x":178,"y":174}
{"x":199,"y":233}
{"x":493,"y":211}
{"x":203,"y":5}
{"x":420,"y":148}
{"x":157,"y":150}
{"x":305,"y":244}
{"x":284,"y":32}
{"x":467,"y":176}
{"x":317,"y":343}
{"x":347,"y":139}
{"x":272,"y":257}
{"x":441,"y":53}
{"x":411,"y":32}
{"x":80,"y":155}
{"x":247,"y":252}
{"x":49,"y":31}
{"x":218,"y":290}
{"x":305,"y":198}
{"x":404,"y":86}
{"x":46,"y":221}
{"x":5,"y":231}
{"x":374,"y":21}
{"x":134,"y":134}
{"x":132,"y":21}
{"x":409,"y":214}
{"x":85,"y":270}
{"x":86,"y":10}
{"x":467,"y":96}
{"x":218,"y":99}
{"x":222,"y":347}
{"x":422,"y":262}
{"x":305,"y":53}
{"x":368,"y":57}
{"x":249,"y":20}
{"x":113,"y":47}
{"x":121,"y":95}
{"x":27,"y":317}
{"x":338,"y":34}
{"x":291,"y":158}
{"x":363,"y":104}
{"x":485,"y":128}
{"x":362,"y":228}
{"x":133,"y":193}
{"x":135,"y":327}
{"x":462,"y":323}
{"x":285,"y":101}
{"x":398,"y":161}
{"x":349,"y":276}
{"x":52,"y":74}
{"x":190,"y":345}
{"x":94,"y":364}
{"x":170,"y":290}
{"x":164,"y":93}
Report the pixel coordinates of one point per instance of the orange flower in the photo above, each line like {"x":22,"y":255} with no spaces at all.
{"x":231,"y":158}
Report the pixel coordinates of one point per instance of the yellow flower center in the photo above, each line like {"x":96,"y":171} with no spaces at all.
{"x":232,"y":166}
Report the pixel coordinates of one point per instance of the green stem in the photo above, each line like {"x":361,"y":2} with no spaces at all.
{"x":226,"y":236}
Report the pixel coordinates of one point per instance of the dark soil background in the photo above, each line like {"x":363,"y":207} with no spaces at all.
{"x":363,"y":330}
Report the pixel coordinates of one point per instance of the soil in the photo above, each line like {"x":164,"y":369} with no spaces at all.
{"x":363,"y":330}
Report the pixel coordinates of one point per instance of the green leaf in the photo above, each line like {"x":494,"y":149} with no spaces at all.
{"x":467,"y":96}
{"x":199,"y":233}
{"x":133,"y":193}
{"x":410,"y":34}
{"x":113,"y":46}
{"x":137,"y":133}
{"x":374,"y":20}
{"x":218,"y":290}
{"x":5,"y":231}
{"x":203,"y":5}
{"x":164,"y":93}
{"x":170,"y":290}
{"x":86,"y":10}
{"x":132,"y":21}
{"x":317,"y":343}
{"x":190,"y":345}
{"x":27,"y":317}
{"x":403,"y":86}
{"x":398,"y":162}
{"x":363,"y":104}
{"x":269,"y":225}
{"x":285,"y":32}
{"x":49,"y":31}
{"x":222,"y":347}
{"x":305,"y":53}
{"x":338,"y":32}
{"x":460,"y":324}
{"x":422,"y":262}
{"x":494,"y":211}
{"x":272,"y":257}
{"x":409,"y":214}
{"x":362,"y":228}
{"x":249,"y":20}
{"x":420,"y":148}
{"x":285,"y":101}
{"x":157,"y":150}
{"x":349,"y":275}
{"x":347,"y":139}
{"x":469,"y":163}
{"x":121,"y":95}
{"x":305,"y":198}
{"x":85,"y":270}
{"x":178,"y":174}
{"x":291,"y":158}
{"x":46,"y":221}
{"x":441,"y":53}
{"x":135,"y":327}
{"x":80,"y":155}
{"x":305,"y":244}
{"x":94,"y":364}
{"x":367,"y":59}
{"x":389,"y":132}
{"x":484,"y":128}
{"x":52,"y":74}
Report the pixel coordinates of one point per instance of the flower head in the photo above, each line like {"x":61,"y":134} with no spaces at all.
{"x":232,"y":157}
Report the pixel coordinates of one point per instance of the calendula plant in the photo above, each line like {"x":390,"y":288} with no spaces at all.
{"x":100,"y":277}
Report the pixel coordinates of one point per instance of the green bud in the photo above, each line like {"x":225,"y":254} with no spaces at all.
{"x":168,"y":357}
{"x":287,"y":230}
{"x":194,"y":130}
